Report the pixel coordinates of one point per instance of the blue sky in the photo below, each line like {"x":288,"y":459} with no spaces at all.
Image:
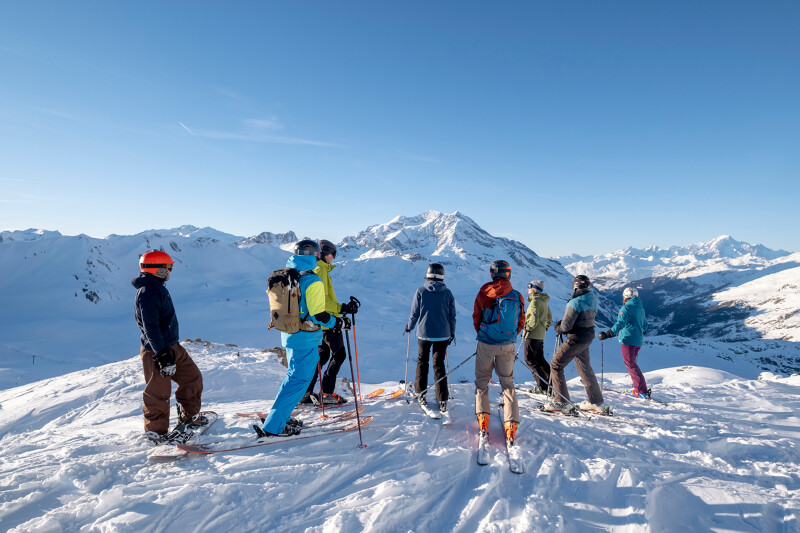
{"x":571,"y":126}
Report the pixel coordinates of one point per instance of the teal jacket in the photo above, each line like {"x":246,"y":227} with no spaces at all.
{"x":631,"y":323}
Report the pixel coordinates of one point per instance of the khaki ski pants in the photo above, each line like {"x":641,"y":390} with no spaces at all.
{"x":500,"y":358}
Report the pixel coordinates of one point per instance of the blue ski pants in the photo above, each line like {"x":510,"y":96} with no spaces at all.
{"x":302,"y":366}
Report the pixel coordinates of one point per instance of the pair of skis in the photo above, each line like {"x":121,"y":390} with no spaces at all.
{"x":320,"y":429}
{"x":513,"y":451}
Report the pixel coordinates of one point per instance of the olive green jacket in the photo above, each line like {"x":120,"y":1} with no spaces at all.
{"x":538,"y":317}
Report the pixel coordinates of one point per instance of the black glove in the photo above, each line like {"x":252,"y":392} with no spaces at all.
{"x":348,"y":309}
{"x":603,"y":335}
{"x":555,"y":326}
{"x":452,"y":340}
{"x":406,"y":330}
{"x":165,"y":362}
{"x":341,"y":323}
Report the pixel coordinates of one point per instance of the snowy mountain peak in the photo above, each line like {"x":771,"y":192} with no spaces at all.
{"x":726,"y":246}
{"x":632,"y":264}
{"x":267,"y":237}
{"x":430,"y":235}
{"x":30,"y":234}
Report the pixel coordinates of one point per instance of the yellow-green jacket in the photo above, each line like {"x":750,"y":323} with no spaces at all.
{"x":538,"y":317}
{"x":323,"y":270}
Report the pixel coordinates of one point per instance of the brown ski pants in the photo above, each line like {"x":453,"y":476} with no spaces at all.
{"x":158,"y":389}
{"x":568,"y":351}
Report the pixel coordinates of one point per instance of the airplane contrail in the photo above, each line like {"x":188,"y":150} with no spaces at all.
{"x":184,"y":126}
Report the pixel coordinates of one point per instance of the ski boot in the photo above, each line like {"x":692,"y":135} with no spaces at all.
{"x":483,"y":422}
{"x":511,"y":433}
{"x":288,"y":431}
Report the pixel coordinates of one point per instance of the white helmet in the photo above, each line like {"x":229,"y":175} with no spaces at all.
{"x":630,"y":292}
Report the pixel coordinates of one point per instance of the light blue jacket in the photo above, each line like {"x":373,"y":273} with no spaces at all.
{"x":631,"y":323}
{"x":312,"y":302}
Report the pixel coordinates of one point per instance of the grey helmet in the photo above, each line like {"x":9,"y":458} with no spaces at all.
{"x":306,"y":247}
{"x":629,"y":292}
{"x":435,"y":271}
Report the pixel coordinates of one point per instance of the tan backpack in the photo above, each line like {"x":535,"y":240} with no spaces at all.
{"x":283,"y":292}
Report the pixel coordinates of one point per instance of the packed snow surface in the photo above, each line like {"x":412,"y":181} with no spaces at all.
{"x":723,"y":455}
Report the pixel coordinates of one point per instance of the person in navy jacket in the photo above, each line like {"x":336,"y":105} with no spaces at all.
{"x":433,"y":312}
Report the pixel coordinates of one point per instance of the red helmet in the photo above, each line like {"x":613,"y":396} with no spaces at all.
{"x":156,"y":262}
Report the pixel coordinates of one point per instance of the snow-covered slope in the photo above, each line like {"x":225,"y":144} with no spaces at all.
{"x":724,"y":456}
{"x":772,"y":301}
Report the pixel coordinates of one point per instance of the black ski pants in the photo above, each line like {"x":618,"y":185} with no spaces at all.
{"x":332,"y":348}
{"x":534,"y":358}
{"x":439,"y":367}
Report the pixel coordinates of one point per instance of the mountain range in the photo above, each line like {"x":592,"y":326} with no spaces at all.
{"x":68,"y":299}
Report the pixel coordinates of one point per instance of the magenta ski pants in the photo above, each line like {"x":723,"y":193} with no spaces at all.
{"x":629,"y":355}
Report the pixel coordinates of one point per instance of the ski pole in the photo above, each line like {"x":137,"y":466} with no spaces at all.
{"x":355,"y":396}
{"x":602,"y":369}
{"x":551,"y":388}
{"x":354,"y":301}
{"x":321,"y":392}
{"x":447,"y":361}
{"x":405,"y":380}
{"x":417,"y":395}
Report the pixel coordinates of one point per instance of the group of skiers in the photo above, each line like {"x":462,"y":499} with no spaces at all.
{"x":499,"y":316}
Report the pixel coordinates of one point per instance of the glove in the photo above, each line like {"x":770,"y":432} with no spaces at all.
{"x":406,"y":330}
{"x":348,"y":309}
{"x":165,"y":362}
{"x":341,"y":323}
{"x":555,"y":326}
{"x":452,"y":340}
{"x":603,"y":335}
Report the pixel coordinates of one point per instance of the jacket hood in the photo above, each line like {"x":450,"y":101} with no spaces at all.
{"x":497,"y":288}
{"x":543,"y":296}
{"x":634,"y":302}
{"x":144,"y":279}
{"x":434,"y":286}
{"x":302,"y":262}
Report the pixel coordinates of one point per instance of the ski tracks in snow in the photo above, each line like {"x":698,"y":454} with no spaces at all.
{"x":727,"y":451}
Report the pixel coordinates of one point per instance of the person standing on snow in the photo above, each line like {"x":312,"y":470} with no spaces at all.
{"x":498,"y":316}
{"x":578,"y":326}
{"x":302,"y":354}
{"x":537,"y":320}
{"x":332,"y":347}
{"x":630,"y":326}
{"x":164,"y":360}
{"x":433,"y":310}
